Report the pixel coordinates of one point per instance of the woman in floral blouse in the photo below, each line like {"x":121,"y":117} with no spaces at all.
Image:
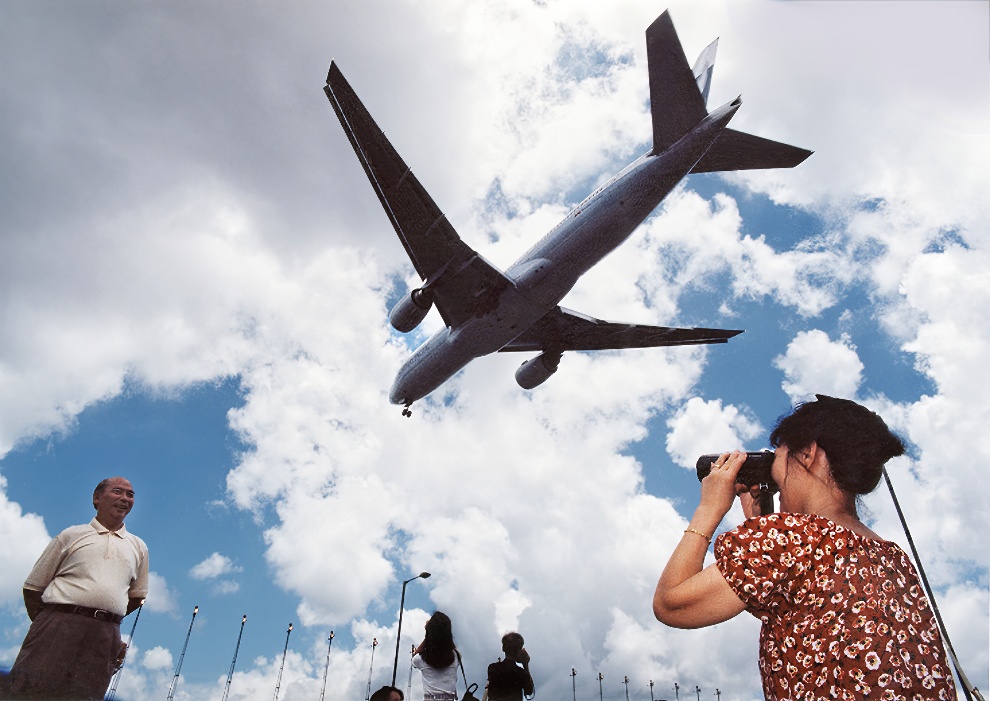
{"x":844,"y":615}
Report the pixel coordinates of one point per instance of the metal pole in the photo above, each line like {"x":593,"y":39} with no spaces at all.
{"x":677,"y":691}
{"x":116,"y":677}
{"x":409,"y":685}
{"x":600,"y":677}
{"x":625,"y":680}
{"x":374,"y":644}
{"x":398,"y":633}
{"x":698,"y":690}
{"x":651,"y":690}
{"x":718,"y":695}
{"x":327,"y":668}
{"x":230,"y":674}
{"x":178,"y":667}
{"x":278,"y":682}
{"x":573,"y":684}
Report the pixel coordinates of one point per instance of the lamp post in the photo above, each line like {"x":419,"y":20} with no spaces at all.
{"x":398,"y":633}
{"x":698,"y":690}
{"x":120,"y":670}
{"x":677,"y":691}
{"x":718,"y":695}
{"x":278,"y":682}
{"x":412,"y":654}
{"x":573,"y":684}
{"x":600,"y":677}
{"x":230,"y":673}
{"x":371,"y":669}
{"x":327,"y":668}
{"x":178,"y":667}
{"x":651,"y":690}
{"x":625,"y":680}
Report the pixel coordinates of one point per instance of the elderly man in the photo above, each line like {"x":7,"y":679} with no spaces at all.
{"x":87,"y":579}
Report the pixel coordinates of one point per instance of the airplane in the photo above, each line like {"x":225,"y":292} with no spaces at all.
{"x":486,"y":310}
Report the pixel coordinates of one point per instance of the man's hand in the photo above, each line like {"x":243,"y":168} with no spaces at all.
{"x":121,"y":654}
{"x":523,"y":658}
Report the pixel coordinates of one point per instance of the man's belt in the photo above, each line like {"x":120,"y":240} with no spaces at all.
{"x":98,"y":614}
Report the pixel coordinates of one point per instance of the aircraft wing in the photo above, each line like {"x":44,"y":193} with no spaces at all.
{"x":460,"y":282}
{"x":564,"y":330}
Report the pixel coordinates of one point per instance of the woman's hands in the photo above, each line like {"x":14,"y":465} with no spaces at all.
{"x":719,"y":490}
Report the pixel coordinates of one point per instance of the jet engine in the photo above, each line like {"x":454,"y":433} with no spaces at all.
{"x":536,"y":371}
{"x":410,"y":311}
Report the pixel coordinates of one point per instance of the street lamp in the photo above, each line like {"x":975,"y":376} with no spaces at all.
{"x":398,"y":633}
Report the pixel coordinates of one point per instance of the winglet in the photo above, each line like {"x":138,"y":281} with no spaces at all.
{"x":703,"y":69}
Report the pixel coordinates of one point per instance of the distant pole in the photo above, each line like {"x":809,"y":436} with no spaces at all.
{"x":718,"y":695}
{"x":398,"y":633}
{"x":230,"y":674}
{"x":625,"y":680}
{"x":409,"y":685}
{"x":374,"y":644}
{"x":600,"y":677}
{"x":327,"y":668}
{"x":278,"y":682}
{"x":573,"y":684}
{"x":651,"y":690}
{"x":116,"y":677}
{"x":677,"y":691}
{"x":178,"y":667}
{"x":698,"y":690}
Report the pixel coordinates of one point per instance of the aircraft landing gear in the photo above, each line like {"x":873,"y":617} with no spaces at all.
{"x":406,"y":412}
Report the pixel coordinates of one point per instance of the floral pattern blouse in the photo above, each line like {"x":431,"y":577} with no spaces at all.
{"x":844,"y":616}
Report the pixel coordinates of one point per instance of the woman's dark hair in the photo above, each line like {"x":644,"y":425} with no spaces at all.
{"x":856,"y":441}
{"x":438,"y":644}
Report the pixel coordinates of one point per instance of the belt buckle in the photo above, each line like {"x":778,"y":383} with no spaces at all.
{"x":101,"y":615}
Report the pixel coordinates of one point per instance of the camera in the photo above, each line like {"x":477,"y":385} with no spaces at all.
{"x":755,"y":471}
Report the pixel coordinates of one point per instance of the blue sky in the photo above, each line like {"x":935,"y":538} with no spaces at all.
{"x":195,"y":278}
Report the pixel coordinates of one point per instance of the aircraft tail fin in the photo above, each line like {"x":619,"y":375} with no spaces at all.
{"x":676,"y":101}
{"x":679,"y":101}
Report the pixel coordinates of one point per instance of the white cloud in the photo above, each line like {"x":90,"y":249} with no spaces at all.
{"x":160,"y":598}
{"x":216,"y":565}
{"x":25,"y":536}
{"x":701,"y":427}
{"x":263,"y":253}
{"x":814,"y":364}
{"x":157,"y":658}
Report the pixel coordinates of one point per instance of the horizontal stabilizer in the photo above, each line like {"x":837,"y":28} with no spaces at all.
{"x":736,"y":150}
{"x":565,"y":330}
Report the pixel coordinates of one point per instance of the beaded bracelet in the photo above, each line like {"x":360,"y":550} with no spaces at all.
{"x":696,"y":532}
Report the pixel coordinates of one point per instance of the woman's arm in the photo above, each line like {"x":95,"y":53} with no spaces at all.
{"x":689,"y":595}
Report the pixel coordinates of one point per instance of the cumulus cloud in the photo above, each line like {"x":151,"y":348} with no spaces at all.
{"x":814,"y":364}
{"x":701,"y":426}
{"x":216,"y":565}
{"x":25,"y":536}
{"x":161,"y":597}
{"x":255,"y":248}
{"x":157,"y":658}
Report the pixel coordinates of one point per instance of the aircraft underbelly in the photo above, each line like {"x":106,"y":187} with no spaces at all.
{"x":594,"y":230}
{"x":449,"y":350}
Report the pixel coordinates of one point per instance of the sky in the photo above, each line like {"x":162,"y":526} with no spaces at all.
{"x":195,"y":279}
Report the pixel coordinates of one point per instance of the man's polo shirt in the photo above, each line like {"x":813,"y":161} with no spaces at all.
{"x":92,"y":566}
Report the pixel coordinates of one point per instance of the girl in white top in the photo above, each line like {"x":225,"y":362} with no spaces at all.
{"x":436,"y":658}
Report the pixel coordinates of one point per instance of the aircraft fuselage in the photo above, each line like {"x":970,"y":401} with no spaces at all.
{"x":544,"y":275}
